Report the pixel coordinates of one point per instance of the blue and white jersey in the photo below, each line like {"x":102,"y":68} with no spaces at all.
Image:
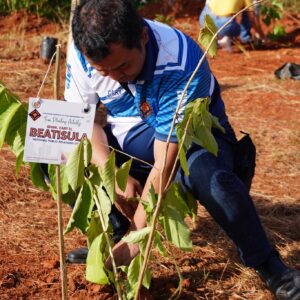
{"x":171,"y":58}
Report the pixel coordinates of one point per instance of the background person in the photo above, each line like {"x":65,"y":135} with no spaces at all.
{"x":222,"y":10}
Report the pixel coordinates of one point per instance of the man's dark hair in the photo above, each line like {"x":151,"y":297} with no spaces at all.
{"x":98,"y":23}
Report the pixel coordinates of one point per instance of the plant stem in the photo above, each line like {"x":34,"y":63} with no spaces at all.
{"x":63,"y":269}
{"x":160,"y":194}
{"x":117,"y":285}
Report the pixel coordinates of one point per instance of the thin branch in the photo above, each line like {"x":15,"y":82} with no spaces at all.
{"x":133,"y":157}
{"x":160,"y":195}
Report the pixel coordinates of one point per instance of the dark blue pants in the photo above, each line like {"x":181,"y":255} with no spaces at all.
{"x":227,"y":199}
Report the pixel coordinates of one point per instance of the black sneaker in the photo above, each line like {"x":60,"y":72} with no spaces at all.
{"x":77,"y":256}
{"x":285,"y":286}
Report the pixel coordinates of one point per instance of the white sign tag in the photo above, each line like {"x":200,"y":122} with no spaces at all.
{"x":54,"y":128}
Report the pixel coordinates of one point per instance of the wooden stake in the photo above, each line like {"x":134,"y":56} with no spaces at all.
{"x":74,"y":3}
{"x":63,"y":269}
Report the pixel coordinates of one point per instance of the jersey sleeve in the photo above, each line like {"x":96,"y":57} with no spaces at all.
{"x":199,"y":88}
{"x":78,"y":86}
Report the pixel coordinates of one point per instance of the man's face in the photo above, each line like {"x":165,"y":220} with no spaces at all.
{"x":123,"y":64}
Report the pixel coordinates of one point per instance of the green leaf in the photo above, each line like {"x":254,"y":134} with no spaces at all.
{"x":202,"y":124}
{"x":6,"y":98}
{"x":64,"y":180}
{"x":192,"y":204}
{"x":95,"y":228}
{"x":152,"y":200}
{"x":108,"y":176}
{"x":267,"y":20}
{"x":279,"y":30}
{"x":82,"y":210}
{"x":19,"y":162}
{"x":94,"y":175}
{"x":196,"y":127}
{"x":278,"y":4}
{"x":133,"y":274}
{"x":75,"y":167}
{"x":104,"y":202}
{"x":37,"y":176}
{"x":95,"y":269}
{"x":177,"y":231}
{"x":206,"y":35}
{"x":159,"y":245}
{"x":69,"y":197}
{"x":137,"y":236}
{"x":147,"y":277}
{"x":52,"y":177}
{"x":15,"y":135}
{"x":16,"y":143}
{"x":183,"y":161}
{"x":122,"y":175}
{"x":184,"y":142}
{"x":175,"y":200}
{"x":173,"y":211}
{"x":206,"y":140}
{"x":87,"y":152}
{"x":5,"y":119}
{"x":274,"y":14}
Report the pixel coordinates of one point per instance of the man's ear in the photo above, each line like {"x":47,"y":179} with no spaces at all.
{"x":145,"y":35}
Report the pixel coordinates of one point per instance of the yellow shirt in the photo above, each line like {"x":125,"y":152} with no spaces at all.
{"x":228,"y":7}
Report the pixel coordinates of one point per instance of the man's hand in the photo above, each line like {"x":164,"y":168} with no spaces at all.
{"x":133,"y":189}
{"x":123,"y":254}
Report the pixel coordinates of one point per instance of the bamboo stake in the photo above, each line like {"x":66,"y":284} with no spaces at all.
{"x":74,"y":3}
{"x":63,"y":269}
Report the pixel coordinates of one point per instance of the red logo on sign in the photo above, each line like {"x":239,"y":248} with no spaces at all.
{"x":35,"y":115}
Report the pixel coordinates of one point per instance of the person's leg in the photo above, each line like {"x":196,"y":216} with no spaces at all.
{"x":223,"y":194}
{"x":226,"y":198}
{"x":245,"y":26}
{"x":231,"y":30}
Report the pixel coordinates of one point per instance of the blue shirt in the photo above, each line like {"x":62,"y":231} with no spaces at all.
{"x":171,"y":58}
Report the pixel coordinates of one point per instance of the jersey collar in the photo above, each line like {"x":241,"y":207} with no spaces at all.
{"x":151,"y":56}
